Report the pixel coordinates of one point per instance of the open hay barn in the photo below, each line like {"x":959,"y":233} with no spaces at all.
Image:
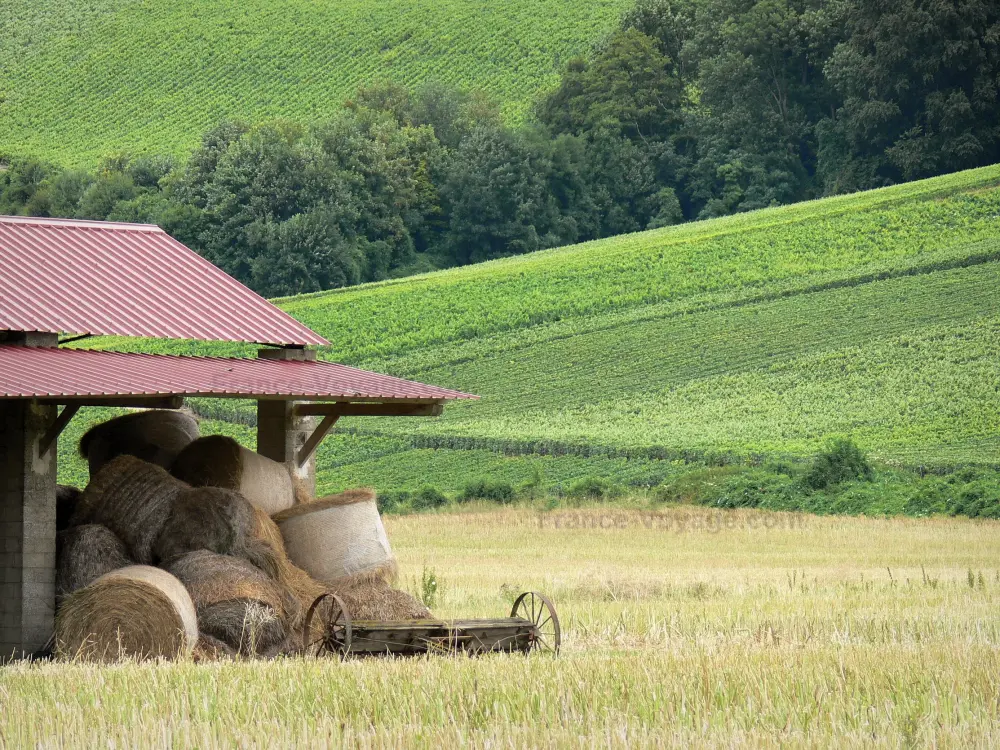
{"x":83,"y":278}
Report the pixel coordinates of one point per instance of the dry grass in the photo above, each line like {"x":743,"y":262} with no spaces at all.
{"x":744,"y":629}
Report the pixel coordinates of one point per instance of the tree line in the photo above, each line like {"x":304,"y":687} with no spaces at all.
{"x":689,"y":109}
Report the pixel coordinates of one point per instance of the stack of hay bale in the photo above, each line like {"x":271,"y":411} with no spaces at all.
{"x":186,"y":545}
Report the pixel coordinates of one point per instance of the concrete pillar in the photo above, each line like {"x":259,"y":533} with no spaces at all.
{"x":27,"y":518}
{"x":27,"y":529}
{"x":280,"y":434}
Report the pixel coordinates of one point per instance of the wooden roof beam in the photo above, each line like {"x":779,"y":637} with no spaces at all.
{"x":354,"y":409}
{"x":127,"y":402}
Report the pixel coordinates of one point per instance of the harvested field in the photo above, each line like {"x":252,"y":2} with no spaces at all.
{"x":685,"y":626}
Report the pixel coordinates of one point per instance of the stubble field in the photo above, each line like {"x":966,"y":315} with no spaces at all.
{"x":680,"y":626}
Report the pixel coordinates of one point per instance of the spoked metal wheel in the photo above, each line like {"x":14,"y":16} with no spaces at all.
{"x":327,"y":628}
{"x":540,"y":612}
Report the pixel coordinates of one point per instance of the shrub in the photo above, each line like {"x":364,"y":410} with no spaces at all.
{"x":979,"y":499}
{"x":428,"y":497}
{"x":593,"y":488}
{"x":752,"y":489}
{"x":488,"y":489}
{"x":393,"y":502}
{"x":927,"y":500}
{"x":535,"y":486}
{"x":696,"y":486}
{"x":840,"y":461}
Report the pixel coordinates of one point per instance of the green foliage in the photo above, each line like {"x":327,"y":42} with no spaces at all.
{"x":429,"y":588}
{"x":840,"y":461}
{"x":630,"y":88}
{"x":694,"y":485}
{"x":752,"y":489}
{"x":723,"y":347}
{"x":488,"y":489}
{"x":979,"y":499}
{"x":882,"y":492}
{"x":593,"y":488}
{"x":85,"y":77}
{"x":918,"y":87}
{"x":428,"y":497}
{"x":497,"y":199}
{"x":743,"y":105}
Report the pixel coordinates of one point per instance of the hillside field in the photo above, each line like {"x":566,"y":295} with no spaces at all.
{"x":681,"y":627}
{"x":80,"y":79}
{"x":738,"y":340}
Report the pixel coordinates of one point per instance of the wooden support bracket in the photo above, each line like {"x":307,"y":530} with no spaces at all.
{"x":49,"y":438}
{"x":331,"y":412}
{"x":345,"y":409}
{"x":316,"y":438}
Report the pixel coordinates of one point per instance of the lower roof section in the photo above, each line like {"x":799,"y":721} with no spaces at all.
{"x":52,"y":373}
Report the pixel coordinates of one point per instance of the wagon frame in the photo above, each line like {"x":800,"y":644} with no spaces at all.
{"x":533,"y":625}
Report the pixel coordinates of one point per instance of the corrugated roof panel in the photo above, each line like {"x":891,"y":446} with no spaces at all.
{"x":104,"y":278}
{"x":27,"y":372}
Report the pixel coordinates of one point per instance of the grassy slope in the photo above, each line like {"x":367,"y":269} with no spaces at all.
{"x":872,"y":315}
{"x":744,"y":629}
{"x":81,"y":78}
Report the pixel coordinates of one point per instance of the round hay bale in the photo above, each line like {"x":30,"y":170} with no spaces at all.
{"x":133,"y":498}
{"x":137,"y":612}
{"x":66,"y":499}
{"x":156,"y":436}
{"x":219,"y":461}
{"x":85,"y":553}
{"x":236,"y":603}
{"x":214,"y":519}
{"x":303,"y":586}
{"x":338,"y":537}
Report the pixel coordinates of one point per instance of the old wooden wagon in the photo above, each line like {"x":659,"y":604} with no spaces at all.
{"x":533,"y":625}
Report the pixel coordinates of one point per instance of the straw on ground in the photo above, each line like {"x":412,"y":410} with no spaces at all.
{"x":679,"y":626}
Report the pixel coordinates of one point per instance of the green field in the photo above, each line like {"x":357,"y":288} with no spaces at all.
{"x":749,"y":338}
{"x":83,"y":78}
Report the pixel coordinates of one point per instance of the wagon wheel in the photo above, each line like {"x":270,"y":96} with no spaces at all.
{"x":539,"y":611}
{"x":327,"y":629}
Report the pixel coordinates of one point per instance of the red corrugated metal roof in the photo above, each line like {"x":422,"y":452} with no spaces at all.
{"x":99,"y":277}
{"x":27,"y":372}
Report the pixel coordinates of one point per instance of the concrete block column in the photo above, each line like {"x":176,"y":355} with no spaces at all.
{"x":27,"y":529}
{"x":280,"y":434}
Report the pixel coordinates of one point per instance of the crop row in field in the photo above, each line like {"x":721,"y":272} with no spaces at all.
{"x":903,"y":365}
{"x":85,"y":77}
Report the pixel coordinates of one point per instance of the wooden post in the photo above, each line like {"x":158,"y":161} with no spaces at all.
{"x":27,"y":520}
{"x":281,"y":433}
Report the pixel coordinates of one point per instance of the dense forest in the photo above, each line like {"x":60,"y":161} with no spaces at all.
{"x":689,"y":109}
